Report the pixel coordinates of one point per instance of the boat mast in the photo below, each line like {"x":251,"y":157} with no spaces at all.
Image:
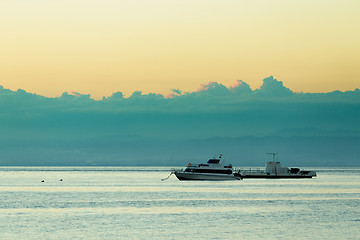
{"x":223,"y":160}
{"x":274,"y":154}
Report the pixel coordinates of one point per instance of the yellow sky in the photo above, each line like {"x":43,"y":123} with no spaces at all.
{"x":103,"y":46}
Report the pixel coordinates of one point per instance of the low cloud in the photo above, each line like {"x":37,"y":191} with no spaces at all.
{"x":273,"y":87}
{"x":213,"y":111}
{"x":212,"y":96}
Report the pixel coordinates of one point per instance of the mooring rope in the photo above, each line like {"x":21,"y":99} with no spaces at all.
{"x":168,"y":176}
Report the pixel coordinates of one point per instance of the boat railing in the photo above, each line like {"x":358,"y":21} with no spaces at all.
{"x":251,"y":170}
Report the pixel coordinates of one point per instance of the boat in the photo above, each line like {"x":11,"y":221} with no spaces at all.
{"x":275,"y":170}
{"x":213,"y":170}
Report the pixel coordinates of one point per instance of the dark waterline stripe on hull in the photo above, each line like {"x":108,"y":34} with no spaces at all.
{"x":199,"y":179}
{"x":187,"y":179}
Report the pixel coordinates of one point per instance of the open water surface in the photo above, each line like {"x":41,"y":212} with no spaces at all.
{"x":133,"y":203}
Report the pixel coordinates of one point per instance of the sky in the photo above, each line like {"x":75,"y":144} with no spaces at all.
{"x":102,"y":47}
{"x":142,"y":82}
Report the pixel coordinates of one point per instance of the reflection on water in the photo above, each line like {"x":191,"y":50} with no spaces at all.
{"x":132,"y":203}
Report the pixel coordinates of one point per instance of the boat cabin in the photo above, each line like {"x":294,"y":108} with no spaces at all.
{"x":274,"y":168}
{"x":214,"y":161}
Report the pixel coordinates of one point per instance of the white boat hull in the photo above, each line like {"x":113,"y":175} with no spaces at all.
{"x":206,"y":176}
{"x":261,"y":174}
{"x":277,"y":176}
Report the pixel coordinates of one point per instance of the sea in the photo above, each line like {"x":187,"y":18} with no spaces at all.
{"x":133,"y":203}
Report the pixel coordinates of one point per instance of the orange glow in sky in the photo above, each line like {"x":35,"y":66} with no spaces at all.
{"x":101,"y":47}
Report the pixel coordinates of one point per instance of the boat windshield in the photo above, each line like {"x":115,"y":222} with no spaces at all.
{"x":214,"y":161}
{"x":208,"y":170}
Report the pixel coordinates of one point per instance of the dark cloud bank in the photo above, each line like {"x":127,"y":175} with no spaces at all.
{"x":307,"y":129}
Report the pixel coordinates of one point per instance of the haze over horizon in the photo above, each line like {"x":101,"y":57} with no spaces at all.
{"x":313,"y":129}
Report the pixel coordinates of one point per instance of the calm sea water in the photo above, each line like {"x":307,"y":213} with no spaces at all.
{"x":133,"y":203}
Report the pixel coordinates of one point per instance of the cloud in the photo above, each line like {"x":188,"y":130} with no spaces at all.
{"x":117,"y":96}
{"x":273,"y":87}
{"x":209,"y":97}
{"x":174,"y":93}
{"x":74,"y":124}
{"x":240,"y":88}
{"x":212,"y":110}
{"x":213,"y":89}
